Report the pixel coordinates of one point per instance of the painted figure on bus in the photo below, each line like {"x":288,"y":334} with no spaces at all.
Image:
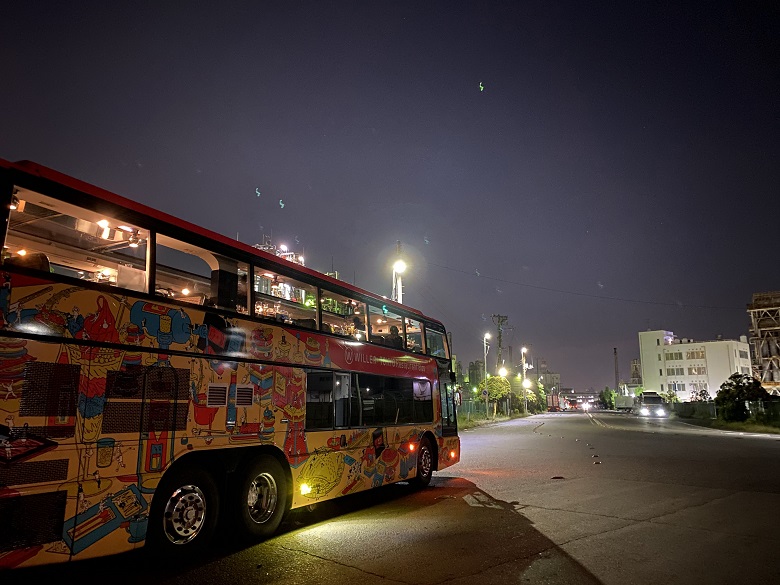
{"x":164,"y":324}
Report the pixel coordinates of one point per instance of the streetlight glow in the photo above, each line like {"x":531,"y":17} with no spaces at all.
{"x":398,"y":267}
{"x":484,"y":347}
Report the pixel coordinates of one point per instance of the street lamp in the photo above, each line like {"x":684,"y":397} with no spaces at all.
{"x":485,"y":390}
{"x":398,"y":290}
{"x":526,"y":382}
{"x":398,"y":267}
{"x":526,"y":386}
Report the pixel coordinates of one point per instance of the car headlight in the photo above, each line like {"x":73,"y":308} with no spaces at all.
{"x":660,"y":412}
{"x":644,"y":411}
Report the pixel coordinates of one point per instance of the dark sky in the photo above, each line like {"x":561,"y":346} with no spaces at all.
{"x":617,"y":170}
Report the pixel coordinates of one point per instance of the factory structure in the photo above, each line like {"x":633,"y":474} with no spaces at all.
{"x":764,"y":314}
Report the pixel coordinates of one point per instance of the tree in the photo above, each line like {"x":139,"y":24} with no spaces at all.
{"x":733,"y":395}
{"x":700,"y":394}
{"x":537,"y":399}
{"x":497,"y":387}
{"x":638,"y":390}
{"x":607,"y":398}
{"x":670,"y":396}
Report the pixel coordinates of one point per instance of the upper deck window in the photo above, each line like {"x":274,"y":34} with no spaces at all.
{"x":342,"y":315}
{"x":387,"y":327}
{"x":436,"y":343}
{"x":284,"y":299}
{"x":48,"y":234}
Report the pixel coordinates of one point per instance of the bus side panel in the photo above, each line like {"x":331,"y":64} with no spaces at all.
{"x":123,"y":387}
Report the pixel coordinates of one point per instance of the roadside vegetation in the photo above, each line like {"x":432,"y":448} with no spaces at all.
{"x":741,"y":405}
{"x":477,"y":420}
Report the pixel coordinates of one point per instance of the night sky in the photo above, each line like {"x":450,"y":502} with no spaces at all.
{"x":588,"y":170}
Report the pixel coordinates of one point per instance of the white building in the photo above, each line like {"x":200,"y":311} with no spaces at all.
{"x":685,"y":365}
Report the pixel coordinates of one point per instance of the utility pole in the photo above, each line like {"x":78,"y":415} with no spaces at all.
{"x":499,"y":321}
{"x":617,"y":375}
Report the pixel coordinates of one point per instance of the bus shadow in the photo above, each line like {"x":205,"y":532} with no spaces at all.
{"x":468,"y":536}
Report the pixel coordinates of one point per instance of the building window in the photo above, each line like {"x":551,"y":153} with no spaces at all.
{"x":697,"y":370}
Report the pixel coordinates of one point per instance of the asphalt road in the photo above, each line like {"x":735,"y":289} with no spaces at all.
{"x":556,"y":498}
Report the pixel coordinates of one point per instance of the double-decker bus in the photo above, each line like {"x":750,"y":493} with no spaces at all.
{"x":157,"y":379}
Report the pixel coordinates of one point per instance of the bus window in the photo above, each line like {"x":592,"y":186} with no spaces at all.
{"x":394,"y":401}
{"x":284,"y":299}
{"x":319,"y":400}
{"x":436,"y":343}
{"x":184,"y":271}
{"x":58,"y":237}
{"x":386,"y":327}
{"x":243,"y":299}
{"x":414,"y":340}
{"x":343,"y":391}
{"x":340,"y":314}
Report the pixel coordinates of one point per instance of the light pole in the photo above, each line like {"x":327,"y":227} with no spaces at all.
{"x":526,"y":383}
{"x":502,"y":372}
{"x":398,"y":267}
{"x":485,"y":389}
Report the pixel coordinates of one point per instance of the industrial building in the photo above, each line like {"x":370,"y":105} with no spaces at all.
{"x":687,"y":366}
{"x":764,"y":314}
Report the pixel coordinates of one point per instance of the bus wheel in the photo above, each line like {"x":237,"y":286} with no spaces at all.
{"x":424,"y":464}
{"x":184,"y":512}
{"x":261,"y":501}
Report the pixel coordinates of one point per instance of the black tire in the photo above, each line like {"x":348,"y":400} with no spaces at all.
{"x":261,"y":499}
{"x":184,"y":513}
{"x":424,"y":464}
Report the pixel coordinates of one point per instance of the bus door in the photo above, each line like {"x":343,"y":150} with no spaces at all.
{"x":449,"y":419}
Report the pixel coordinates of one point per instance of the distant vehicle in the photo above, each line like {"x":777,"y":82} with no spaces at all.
{"x":625,"y":403}
{"x":651,"y":404}
{"x":553,"y":403}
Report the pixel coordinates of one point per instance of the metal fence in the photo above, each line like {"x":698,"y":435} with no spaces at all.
{"x":695,"y":409}
{"x":764,"y":412}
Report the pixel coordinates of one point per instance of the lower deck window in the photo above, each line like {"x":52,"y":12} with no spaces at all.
{"x":343,"y":400}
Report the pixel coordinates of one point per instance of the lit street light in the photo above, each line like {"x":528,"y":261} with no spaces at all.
{"x":485,"y":390}
{"x":526,"y":381}
{"x":398,"y":268}
{"x":502,"y":372}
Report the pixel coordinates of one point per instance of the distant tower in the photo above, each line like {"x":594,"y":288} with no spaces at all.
{"x":617,"y":373}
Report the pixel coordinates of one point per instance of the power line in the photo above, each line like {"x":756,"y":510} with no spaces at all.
{"x":581,"y":294}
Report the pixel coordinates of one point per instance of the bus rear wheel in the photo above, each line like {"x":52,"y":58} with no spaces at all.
{"x":184,"y":512}
{"x":261,"y":500}
{"x":424,"y":464}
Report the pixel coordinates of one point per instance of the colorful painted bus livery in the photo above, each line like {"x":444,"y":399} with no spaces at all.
{"x":157,"y":379}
